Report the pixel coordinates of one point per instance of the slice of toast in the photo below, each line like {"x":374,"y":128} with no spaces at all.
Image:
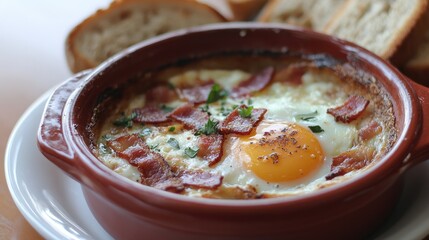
{"x":390,"y":28}
{"x":126,"y":22}
{"x":312,"y":14}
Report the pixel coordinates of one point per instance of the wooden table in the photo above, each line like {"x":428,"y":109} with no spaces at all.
{"x":32,"y":35}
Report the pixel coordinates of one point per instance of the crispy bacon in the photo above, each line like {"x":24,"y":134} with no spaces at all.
{"x":234,"y":123}
{"x":197,"y":94}
{"x":150,"y":114}
{"x":350,"y":110}
{"x":255,"y":83}
{"x":190,"y":116}
{"x":350,"y":160}
{"x":155,"y":170}
{"x":160,"y":94}
{"x":121,"y":144}
{"x":371,"y":130}
{"x":201,"y":179}
{"x":210,"y":148}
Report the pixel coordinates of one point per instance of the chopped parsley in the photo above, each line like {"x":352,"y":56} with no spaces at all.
{"x":209,"y":128}
{"x":154,"y":147}
{"x":173,"y":143}
{"x":245,"y":112}
{"x":145,"y":132}
{"x":316,"y":129}
{"x":172,"y":129}
{"x":205,"y":108}
{"x":191,"y":152}
{"x":216,"y":93}
{"x":125,"y":121}
{"x":106,"y":137}
{"x":307,"y":116}
{"x":225,"y":111}
{"x":104,"y":149}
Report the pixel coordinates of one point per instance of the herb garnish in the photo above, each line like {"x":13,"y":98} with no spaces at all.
{"x":191,"y":152}
{"x":216,"y":93}
{"x":106,"y":137}
{"x":171,"y":129}
{"x":125,"y":121}
{"x":209,"y":128}
{"x":145,"y":132}
{"x":173,"y":143}
{"x":245,"y":112}
{"x":316,"y":129}
{"x":154,"y":147}
{"x":307,"y":116}
{"x":104,"y":149}
{"x":205,"y":108}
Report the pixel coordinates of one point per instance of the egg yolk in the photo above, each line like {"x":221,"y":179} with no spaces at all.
{"x":281,"y":152}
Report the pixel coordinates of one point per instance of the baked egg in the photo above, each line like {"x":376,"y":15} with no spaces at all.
{"x":283,"y":138}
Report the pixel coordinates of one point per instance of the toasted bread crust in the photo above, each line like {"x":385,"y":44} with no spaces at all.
{"x":76,"y":59}
{"x":403,"y":43}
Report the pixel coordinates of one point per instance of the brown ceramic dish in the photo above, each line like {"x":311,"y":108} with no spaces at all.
{"x":127,"y":210}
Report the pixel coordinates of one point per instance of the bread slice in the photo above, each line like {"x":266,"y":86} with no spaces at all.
{"x":417,"y":68}
{"x":390,"y":28}
{"x":126,"y":22}
{"x":313,"y":14}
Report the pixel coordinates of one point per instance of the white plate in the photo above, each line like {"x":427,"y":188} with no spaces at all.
{"x":52,"y":202}
{"x":54,"y":205}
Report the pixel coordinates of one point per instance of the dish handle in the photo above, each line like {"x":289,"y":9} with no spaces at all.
{"x":421,"y":149}
{"x":50,"y":136}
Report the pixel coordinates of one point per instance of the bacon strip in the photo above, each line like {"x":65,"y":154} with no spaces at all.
{"x":234,"y":123}
{"x":150,"y":114}
{"x":255,"y":83}
{"x":190,"y":116}
{"x":160,"y":94}
{"x":155,"y":170}
{"x":200,"y":179}
{"x":197,"y":94}
{"x":211,"y":148}
{"x":370,"y":131}
{"x":350,"y":160}
{"x":350,"y":110}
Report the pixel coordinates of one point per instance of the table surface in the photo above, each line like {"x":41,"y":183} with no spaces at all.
{"x":32,"y":60}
